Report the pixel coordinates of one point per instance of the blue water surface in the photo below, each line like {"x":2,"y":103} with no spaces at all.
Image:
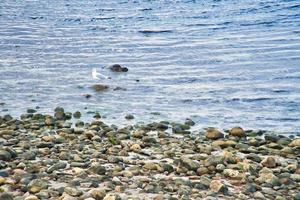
{"x":221,"y":62}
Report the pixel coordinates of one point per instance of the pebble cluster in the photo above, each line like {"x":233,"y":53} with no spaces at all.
{"x":49,"y":157}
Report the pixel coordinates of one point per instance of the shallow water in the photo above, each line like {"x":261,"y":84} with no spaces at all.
{"x":222,"y":63}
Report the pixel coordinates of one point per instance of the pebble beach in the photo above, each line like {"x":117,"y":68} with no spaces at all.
{"x":61,"y":157}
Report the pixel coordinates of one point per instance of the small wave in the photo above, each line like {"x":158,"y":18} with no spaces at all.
{"x":155,"y":31}
{"x":101,"y":18}
{"x":287,"y":77}
{"x":271,"y":23}
{"x":251,"y":99}
{"x":280,"y":91}
{"x":37,"y":17}
{"x":145,"y":9}
{"x":72,"y":20}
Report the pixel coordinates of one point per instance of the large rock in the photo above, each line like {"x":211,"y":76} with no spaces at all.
{"x":37,"y":185}
{"x":231,"y":173}
{"x":213,"y":134}
{"x":223,"y":143}
{"x":218,"y":187}
{"x":6,"y":196}
{"x":269,"y":162}
{"x":73,"y":191}
{"x":99,"y":87}
{"x":295,"y":143}
{"x":237,"y":131}
{"x":97,"y":168}
{"x":98,"y":194}
{"x":118,"y":68}
{"x":135,"y":148}
{"x":5,"y":155}
{"x":189,"y":163}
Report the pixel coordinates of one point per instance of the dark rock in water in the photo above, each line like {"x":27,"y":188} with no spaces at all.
{"x":59,"y":109}
{"x":189,"y":122}
{"x":59,"y":113}
{"x":129,"y":116}
{"x":87,"y":96}
{"x":99,"y":87}
{"x":77,"y":114}
{"x":30,"y":110}
{"x":118,"y":68}
{"x":7,"y":117}
{"x":119,"y":88}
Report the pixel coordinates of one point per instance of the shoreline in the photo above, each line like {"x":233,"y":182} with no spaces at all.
{"x":49,"y":157}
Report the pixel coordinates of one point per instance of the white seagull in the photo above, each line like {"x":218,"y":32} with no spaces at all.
{"x":97,"y":75}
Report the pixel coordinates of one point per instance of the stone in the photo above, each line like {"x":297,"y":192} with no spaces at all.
{"x":237,"y":132}
{"x":223,"y":143}
{"x":202,"y":170}
{"x":272,"y":138}
{"x":213,"y":134}
{"x":295,"y":177}
{"x":6,"y":196}
{"x":189,"y":163}
{"x":57,"y":166}
{"x":129,"y":117}
{"x":31,"y":197}
{"x":111,"y":197}
{"x":5,"y":155}
{"x":77,"y":114}
{"x":49,"y":121}
{"x":231,"y":173}
{"x":295,"y":143}
{"x":37,"y":185}
{"x":29,"y":155}
{"x":258,"y":195}
{"x":73,"y":191}
{"x":135,"y":148}
{"x":98,"y":194}
{"x":6,"y":132}
{"x":99,"y":87}
{"x":297,"y":196}
{"x":138,"y":133}
{"x":118,"y":68}
{"x":31,"y":110}
{"x":269,"y":162}
{"x":220,"y":167}
{"x":254,"y":157}
{"x":218,"y":187}
{"x":214,"y":161}
{"x":150,"y":165}
{"x":97,"y":168}
{"x":167,"y":167}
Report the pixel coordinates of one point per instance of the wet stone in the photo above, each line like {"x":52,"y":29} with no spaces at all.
{"x":213,"y":134}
